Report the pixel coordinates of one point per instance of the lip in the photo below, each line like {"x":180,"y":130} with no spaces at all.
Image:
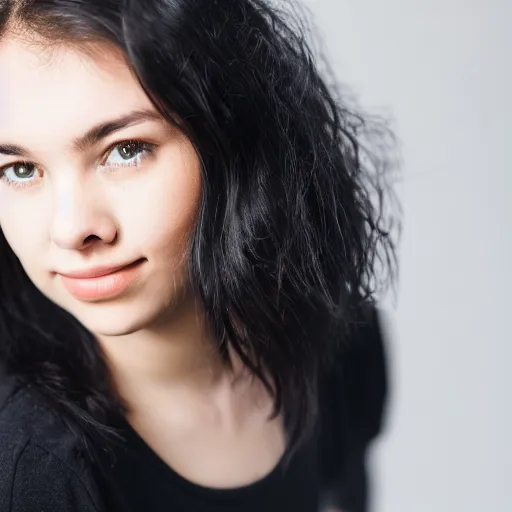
{"x":95,"y":272}
{"x":101,"y":282}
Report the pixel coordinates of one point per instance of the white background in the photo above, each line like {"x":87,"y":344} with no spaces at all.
{"x":443,"y":68}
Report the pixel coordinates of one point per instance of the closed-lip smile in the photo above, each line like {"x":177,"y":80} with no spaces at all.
{"x":101,"y":283}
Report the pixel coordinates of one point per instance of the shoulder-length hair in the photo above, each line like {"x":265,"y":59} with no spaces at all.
{"x":291,"y":226}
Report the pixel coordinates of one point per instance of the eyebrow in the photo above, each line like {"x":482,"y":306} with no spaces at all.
{"x":94,"y":135}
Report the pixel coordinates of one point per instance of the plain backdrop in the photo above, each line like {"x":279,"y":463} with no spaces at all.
{"x":443,"y":68}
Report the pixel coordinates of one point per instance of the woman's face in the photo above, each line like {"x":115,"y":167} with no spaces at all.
{"x":73,"y":208}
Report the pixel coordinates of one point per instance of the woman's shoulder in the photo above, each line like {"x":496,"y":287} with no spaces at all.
{"x":25,"y":418}
{"x":39,"y":466}
{"x":354,"y":390}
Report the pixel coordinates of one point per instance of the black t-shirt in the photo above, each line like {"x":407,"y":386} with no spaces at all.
{"x":139,"y":480}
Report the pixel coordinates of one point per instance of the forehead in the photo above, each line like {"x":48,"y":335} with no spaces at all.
{"x":56,"y":94}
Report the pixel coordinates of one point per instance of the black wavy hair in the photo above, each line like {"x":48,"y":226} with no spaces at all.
{"x":292,"y":234}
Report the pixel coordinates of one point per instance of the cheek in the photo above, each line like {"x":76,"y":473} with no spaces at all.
{"x":166,"y":214}
{"x":21,"y":230}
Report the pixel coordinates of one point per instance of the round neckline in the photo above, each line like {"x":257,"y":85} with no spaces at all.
{"x":228,"y":493}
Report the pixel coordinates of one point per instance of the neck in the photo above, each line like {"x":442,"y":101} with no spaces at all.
{"x":176,"y":354}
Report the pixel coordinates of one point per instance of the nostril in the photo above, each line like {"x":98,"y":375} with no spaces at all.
{"x":91,"y":238}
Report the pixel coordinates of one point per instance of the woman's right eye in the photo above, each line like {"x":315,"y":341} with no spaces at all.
{"x":19,"y":174}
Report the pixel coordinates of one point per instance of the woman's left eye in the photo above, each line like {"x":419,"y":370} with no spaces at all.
{"x":127,"y":154}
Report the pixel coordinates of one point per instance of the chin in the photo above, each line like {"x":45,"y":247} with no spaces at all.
{"x":116,"y":319}
{"x":114,"y":328}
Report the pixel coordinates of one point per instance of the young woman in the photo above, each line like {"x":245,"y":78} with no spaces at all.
{"x":191,"y":226}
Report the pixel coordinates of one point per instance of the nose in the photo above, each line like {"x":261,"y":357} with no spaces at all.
{"x":80,"y":219}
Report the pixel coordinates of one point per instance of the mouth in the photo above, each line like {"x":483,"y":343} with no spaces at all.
{"x":97,"y":271}
{"x":101,"y":282}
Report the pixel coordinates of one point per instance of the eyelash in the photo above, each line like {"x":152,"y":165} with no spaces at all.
{"x":142,"y":148}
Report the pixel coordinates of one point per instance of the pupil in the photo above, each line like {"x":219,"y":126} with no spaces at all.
{"x":23,"y":171}
{"x":128,"y":150}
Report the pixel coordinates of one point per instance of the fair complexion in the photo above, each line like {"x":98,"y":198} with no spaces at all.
{"x":70,"y":204}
